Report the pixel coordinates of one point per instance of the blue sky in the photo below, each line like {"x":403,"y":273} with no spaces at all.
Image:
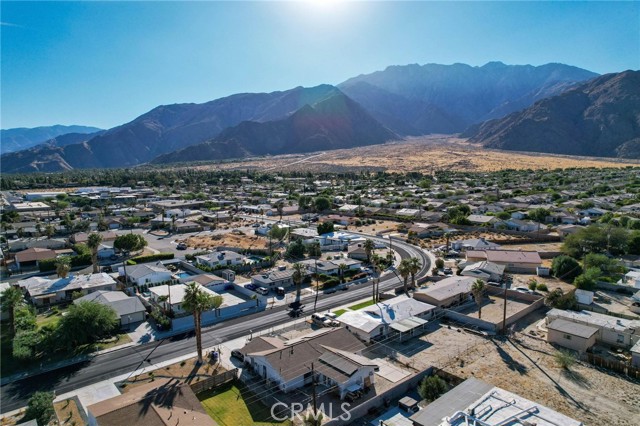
{"x":105,"y":63}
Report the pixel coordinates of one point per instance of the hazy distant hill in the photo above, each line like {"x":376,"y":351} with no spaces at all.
{"x":24,"y":138}
{"x":432,"y":98}
{"x":598,"y":118}
{"x":333,"y":123}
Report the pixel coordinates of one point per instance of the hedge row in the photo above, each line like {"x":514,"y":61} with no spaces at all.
{"x":150,"y":258}
{"x":48,"y":265}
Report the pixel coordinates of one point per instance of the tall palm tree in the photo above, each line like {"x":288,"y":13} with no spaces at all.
{"x":63,"y":266}
{"x":477,"y":289}
{"x":196,"y":300}
{"x":405,"y":270}
{"x":369,"y":246}
{"x":10,"y":299}
{"x":298,"y":276}
{"x":342,"y":268}
{"x":415,"y":265}
{"x":93,"y":242}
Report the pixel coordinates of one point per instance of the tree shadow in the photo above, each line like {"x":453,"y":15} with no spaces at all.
{"x":511,"y":363}
{"x":163,"y":396}
{"x":576,"y":378}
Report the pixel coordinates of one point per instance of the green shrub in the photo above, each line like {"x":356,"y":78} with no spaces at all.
{"x":542,"y":287}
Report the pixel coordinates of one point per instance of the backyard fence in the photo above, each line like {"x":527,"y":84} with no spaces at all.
{"x":214,"y":381}
{"x":613,"y":365}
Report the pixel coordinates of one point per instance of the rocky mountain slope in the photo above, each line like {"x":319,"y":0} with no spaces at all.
{"x":333,"y":123}
{"x":598,"y":118}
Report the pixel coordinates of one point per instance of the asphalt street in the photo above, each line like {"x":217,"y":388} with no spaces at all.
{"x":105,"y":366}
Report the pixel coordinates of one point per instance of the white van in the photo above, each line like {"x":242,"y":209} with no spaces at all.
{"x":262,"y":290}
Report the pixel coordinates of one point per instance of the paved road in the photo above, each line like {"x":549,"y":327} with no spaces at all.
{"x":102,"y":367}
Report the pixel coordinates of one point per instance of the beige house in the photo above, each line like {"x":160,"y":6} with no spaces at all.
{"x":515,"y":261}
{"x":448,"y":292}
{"x":571,"y":335}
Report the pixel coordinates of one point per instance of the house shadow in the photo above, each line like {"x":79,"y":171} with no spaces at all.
{"x":146,"y":338}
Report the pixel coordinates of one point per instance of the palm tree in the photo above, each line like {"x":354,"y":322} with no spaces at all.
{"x":477,"y":289}
{"x":369,"y":246}
{"x":415,"y":265}
{"x":93,"y":242}
{"x":196,"y":300}
{"x":405,"y":270}
{"x":63,"y":266}
{"x":298,"y":276}
{"x":10,"y":299}
{"x":342,"y":268}
{"x":49,"y":231}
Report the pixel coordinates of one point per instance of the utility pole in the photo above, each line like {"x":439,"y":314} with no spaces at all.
{"x":504,"y":311}
{"x":315,"y":302}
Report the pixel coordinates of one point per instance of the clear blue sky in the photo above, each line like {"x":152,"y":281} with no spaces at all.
{"x":105,"y":63}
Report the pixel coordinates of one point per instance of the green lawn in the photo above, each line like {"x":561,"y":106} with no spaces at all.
{"x":339,"y":312}
{"x":361,"y":305}
{"x":226,"y":405}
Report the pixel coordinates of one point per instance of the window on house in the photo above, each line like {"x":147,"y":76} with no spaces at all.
{"x":567,"y":336}
{"x":620,"y":338}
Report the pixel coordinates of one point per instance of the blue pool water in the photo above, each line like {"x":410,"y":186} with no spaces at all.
{"x":184,"y":275}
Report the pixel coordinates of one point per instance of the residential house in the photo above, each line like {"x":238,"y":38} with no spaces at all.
{"x":612,"y":331}
{"x":473,"y":244}
{"x":221,"y":258}
{"x":44,"y":291}
{"x":451,"y":291}
{"x":357,"y":251}
{"x":273,"y":279}
{"x":474,"y":402}
{"x":402,"y":316}
{"x":158,"y":403}
{"x":631,"y":279}
{"x":174,"y":295}
{"x":146,"y":273}
{"x":523,"y":225}
{"x":334,"y":353}
{"x":130,"y":309}
{"x":523,"y":262}
{"x":30,"y":258}
{"x":487,"y":271}
{"x":484,"y":220}
{"x":571,"y":335}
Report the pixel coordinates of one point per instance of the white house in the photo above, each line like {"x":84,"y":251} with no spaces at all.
{"x":146,"y":274}
{"x":221,"y":258}
{"x":399,"y":315}
{"x":631,"y":279}
{"x":43,"y":291}
{"x":487,"y":271}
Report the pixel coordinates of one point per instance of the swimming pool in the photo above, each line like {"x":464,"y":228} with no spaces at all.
{"x":184,"y":275}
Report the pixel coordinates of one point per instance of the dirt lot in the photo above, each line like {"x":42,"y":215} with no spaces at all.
{"x":230,"y":240}
{"x":526,"y":366}
{"x":187,"y":371}
{"x":425,"y":154}
{"x":381,"y":226}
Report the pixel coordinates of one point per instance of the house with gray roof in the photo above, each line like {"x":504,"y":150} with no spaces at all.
{"x":44,"y":291}
{"x":335,"y":354}
{"x":146,"y":274}
{"x":130,"y":309}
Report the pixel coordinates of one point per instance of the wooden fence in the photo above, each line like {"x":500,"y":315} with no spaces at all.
{"x":215,"y":381}
{"x":613,"y":365}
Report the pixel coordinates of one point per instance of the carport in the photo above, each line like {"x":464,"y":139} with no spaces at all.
{"x":409,"y":327}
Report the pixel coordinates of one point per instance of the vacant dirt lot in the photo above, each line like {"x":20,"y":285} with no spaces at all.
{"x":425,"y":154}
{"x":230,"y":240}
{"x":526,"y":366}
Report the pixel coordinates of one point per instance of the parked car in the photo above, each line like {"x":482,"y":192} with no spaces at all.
{"x":262,"y":290}
{"x":181,"y":246}
{"x":250,"y":287}
{"x":237,"y":354}
{"x":280,"y":291}
{"x":494,"y":283}
{"x":522,"y":290}
{"x":447,"y":271}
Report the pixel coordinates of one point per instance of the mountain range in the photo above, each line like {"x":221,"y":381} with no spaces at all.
{"x":598,"y":118}
{"x":367,"y":109}
{"x":23,"y":138}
